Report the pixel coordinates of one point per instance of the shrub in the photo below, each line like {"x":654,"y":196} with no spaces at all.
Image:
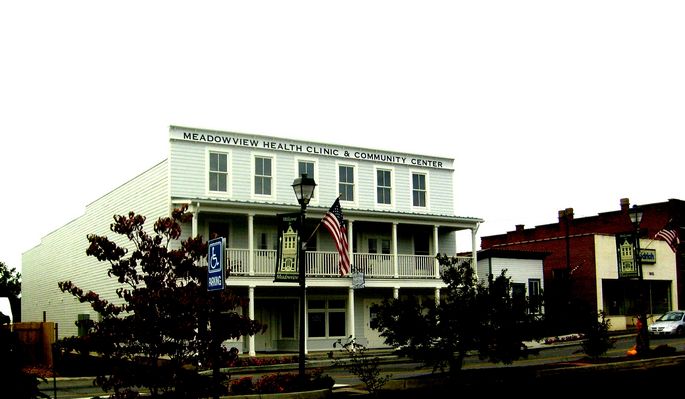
{"x":277,"y":383}
{"x":361,"y":364}
{"x":242,"y":386}
{"x":319,"y":380}
{"x":597,"y":341}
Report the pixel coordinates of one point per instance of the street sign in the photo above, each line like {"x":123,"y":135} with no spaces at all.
{"x":215,"y":264}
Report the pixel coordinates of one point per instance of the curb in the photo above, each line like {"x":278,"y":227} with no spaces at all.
{"x":318,"y":394}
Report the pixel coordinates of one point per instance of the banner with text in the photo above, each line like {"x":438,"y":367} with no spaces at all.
{"x":626,"y":256}
{"x":287,"y":251}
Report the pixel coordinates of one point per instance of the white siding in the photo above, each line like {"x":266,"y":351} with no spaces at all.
{"x":61,"y":255}
{"x":519,"y":270}
{"x":483,"y":269}
{"x":188,"y":170}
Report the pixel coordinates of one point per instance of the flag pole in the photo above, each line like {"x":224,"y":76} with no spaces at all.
{"x":316,"y":228}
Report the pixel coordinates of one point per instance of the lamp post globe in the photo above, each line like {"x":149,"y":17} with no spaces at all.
{"x":303,"y":187}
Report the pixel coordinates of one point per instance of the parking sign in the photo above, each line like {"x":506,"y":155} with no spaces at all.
{"x":215,"y":264}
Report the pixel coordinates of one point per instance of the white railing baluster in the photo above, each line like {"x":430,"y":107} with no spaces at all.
{"x":325,"y":264}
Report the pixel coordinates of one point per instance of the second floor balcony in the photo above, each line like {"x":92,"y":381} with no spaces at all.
{"x":262,"y":262}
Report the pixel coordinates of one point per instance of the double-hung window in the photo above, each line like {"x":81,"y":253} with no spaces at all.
{"x":383,"y":187}
{"x":534,"y":295}
{"x":305,"y":168}
{"x":262,"y":176}
{"x":218,"y":171}
{"x":418,"y":189}
{"x":346,"y":182}
{"x":326,"y":318}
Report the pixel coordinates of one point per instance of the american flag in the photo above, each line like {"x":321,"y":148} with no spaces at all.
{"x":670,"y":236}
{"x":333,"y":221}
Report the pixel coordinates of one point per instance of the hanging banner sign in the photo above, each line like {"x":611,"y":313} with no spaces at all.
{"x":357,"y":280}
{"x":215,"y":264}
{"x":626,"y":256}
{"x":287,"y":252}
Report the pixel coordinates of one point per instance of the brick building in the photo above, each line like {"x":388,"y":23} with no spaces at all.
{"x":585,"y":250}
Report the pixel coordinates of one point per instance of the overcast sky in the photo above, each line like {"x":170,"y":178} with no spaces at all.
{"x":543,"y":105}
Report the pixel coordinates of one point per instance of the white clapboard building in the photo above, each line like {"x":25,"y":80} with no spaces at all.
{"x":398,"y":207}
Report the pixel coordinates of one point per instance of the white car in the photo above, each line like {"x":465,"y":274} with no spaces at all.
{"x":670,"y":323}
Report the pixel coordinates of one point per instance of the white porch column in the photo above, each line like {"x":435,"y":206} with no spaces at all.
{"x":474,"y":251}
{"x":251,"y":344}
{"x":196,"y":215}
{"x":436,"y":264}
{"x":350,"y":312}
{"x":394,"y":250}
{"x":437,"y":296}
{"x":250,"y":243}
{"x":396,"y":292}
{"x":350,"y":243}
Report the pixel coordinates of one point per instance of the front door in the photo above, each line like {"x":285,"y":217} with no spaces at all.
{"x":264,"y":342}
{"x":373,"y":339}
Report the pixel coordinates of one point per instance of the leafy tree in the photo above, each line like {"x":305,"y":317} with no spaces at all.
{"x":472,"y":316}
{"x":10,"y":281}
{"x":10,"y":286}
{"x":165,"y":322}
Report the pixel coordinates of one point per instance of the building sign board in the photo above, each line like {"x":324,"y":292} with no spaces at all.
{"x":648,"y":256}
{"x":275,"y":144}
{"x":215,"y":264}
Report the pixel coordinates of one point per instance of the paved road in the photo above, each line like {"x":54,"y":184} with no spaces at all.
{"x":68,"y":388}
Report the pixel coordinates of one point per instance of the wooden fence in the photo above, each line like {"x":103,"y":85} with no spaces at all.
{"x":37,"y":339}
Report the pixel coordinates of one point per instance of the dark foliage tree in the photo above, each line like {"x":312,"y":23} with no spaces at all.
{"x":10,"y":281}
{"x":165,"y":322}
{"x":597,"y":340}
{"x":10,"y":287}
{"x":472,"y":316}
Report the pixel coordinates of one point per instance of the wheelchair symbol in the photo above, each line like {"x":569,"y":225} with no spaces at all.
{"x":214,"y":261}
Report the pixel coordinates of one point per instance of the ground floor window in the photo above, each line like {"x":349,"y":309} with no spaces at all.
{"x":621,"y":297}
{"x":326,"y":318}
{"x":535,"y":295}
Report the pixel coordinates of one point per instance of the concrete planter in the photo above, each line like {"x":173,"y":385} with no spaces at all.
{"x":317,"y":394}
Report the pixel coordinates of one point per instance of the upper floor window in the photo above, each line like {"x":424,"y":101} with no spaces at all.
{"x":418,"y":189}
{"x":305,"y":168}
{"x":346,"y":182}
{"x":383,"y":187}
{"x":262,"y":176}
{"x":218,"y":171}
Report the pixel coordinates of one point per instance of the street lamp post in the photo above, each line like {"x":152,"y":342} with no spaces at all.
{"x":642,"y":344}
{"x":304,"y":190}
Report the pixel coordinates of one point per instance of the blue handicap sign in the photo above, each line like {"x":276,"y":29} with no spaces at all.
{"x":215,"y":262}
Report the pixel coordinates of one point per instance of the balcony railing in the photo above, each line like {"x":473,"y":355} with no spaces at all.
{"x":325,"y":264}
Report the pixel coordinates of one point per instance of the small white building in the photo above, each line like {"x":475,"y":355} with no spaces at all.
{"x":399,"y":210}
{"x":524,"y":268}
